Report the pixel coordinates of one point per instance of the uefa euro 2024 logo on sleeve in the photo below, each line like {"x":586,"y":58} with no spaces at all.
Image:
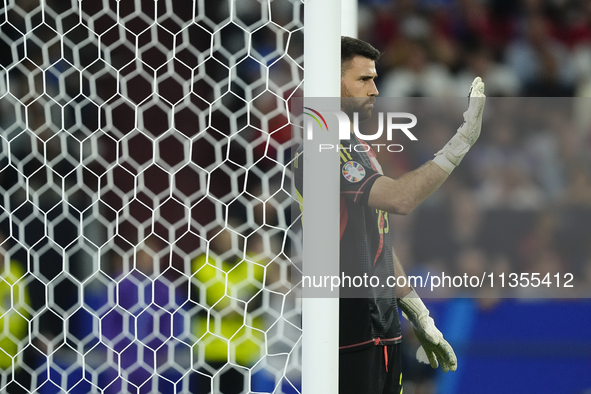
{"x":392,"y":123}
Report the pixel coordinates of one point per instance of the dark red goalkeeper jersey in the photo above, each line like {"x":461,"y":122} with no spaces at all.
{"x":368,"y":314}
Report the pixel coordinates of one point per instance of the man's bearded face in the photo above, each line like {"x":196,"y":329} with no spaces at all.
{"x":358,"y":89}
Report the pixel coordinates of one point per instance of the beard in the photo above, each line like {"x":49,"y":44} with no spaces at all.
{"x":351,"y":104}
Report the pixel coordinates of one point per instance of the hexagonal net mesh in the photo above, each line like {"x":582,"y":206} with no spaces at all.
{"x":145,"y":196}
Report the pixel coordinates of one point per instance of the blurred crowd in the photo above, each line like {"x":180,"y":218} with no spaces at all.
{"x":521,"y":200}
{"x":520,"y":48}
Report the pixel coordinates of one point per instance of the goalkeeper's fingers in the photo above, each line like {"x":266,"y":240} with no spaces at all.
{"x":477,"y":88}
{"x":446,"y":356}
{"x":475,"y":106}
{"x":440,"y":354}
{"x":427,"y":357}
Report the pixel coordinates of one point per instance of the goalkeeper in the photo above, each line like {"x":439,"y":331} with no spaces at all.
{"x":369,"y":328}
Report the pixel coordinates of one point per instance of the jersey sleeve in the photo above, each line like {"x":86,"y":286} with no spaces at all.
{"x":357,"y":177}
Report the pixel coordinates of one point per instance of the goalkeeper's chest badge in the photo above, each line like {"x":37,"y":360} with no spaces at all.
{"x":353,"y":171}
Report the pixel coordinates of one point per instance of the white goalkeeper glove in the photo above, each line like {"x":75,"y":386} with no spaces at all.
{"x":434,"y":349}
{"x":454,"y":151}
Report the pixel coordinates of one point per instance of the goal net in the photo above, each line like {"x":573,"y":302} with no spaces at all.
{"x":145,"y":184}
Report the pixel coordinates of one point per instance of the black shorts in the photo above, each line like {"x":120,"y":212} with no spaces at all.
{"x":374,"y":370}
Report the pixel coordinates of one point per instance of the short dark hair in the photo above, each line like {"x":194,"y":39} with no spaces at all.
{"x":351,"y":47}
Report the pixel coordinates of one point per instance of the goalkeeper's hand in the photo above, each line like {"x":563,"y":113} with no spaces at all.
{"x":434,"y":349}
{"x":454,"y":151}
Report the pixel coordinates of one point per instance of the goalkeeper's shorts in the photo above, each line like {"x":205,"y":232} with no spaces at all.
{"x":372,"y":370}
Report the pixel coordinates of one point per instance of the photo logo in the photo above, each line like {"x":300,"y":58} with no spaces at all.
{"x":315,"y":118}
{"x":392,"y":123}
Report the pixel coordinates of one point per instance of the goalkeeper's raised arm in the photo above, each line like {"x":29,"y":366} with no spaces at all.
{"x":402,"y":195}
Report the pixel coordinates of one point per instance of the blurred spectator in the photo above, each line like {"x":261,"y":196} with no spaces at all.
{"x":500,"y":79}
{"x":544,"y":147}
{"x":466,"y":224}
{"x":542,"y":64}
{"x":139,"y":326}
{"x":471,"y":261}
{"x":491,"y":24}
{"x":542,"y":236}
{"x":582,"y":64}
{"x":506,"y":171}
{"x":230,"y":339}
{"x":14,"y":299}
{"x":418,"y":75}
{"x":578,"y":191}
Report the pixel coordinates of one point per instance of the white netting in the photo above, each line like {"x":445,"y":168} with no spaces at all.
{"x":145,"y":195}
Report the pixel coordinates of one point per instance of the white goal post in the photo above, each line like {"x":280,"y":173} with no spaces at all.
{"x":320,"y":316}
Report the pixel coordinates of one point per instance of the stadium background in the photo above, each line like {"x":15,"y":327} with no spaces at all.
{"x":520,"y":202}
{"x":534,"y":185}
